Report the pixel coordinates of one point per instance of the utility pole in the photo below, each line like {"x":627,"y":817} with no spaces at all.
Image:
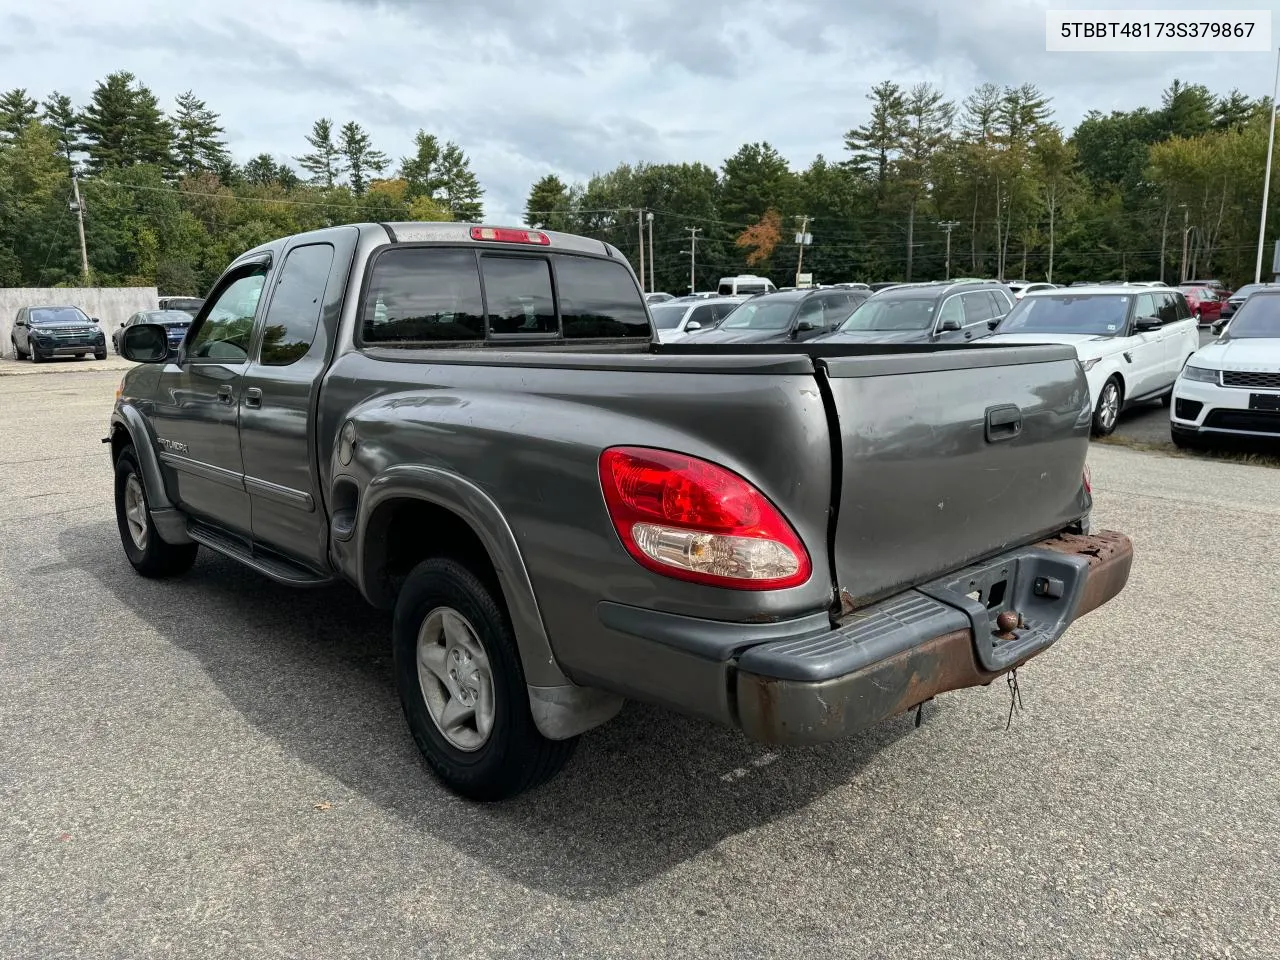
{"x":1266,"y":182}
{"x":802,"y":240}
{"x":640,"y":233}
{"x":652,"y":284}
{"x":79,"y":206}
{"x":949,"y":225}
{"x":693,"y":257}
{"x":1182,"y":271}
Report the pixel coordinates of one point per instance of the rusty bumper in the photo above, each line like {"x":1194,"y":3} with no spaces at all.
{"x":795,"y":710}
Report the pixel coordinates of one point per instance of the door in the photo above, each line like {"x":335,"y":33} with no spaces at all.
{"x":1180,"y":334}
{"x":808,"y":321}
{"x":277,"y":438}
{"x":949,"y":324}
{"x":704,"y":316}
{"x":197,"y":404}
{"x":1145,"y":369}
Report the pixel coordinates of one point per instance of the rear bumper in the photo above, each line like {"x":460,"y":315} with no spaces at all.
{"x":816,"y":683}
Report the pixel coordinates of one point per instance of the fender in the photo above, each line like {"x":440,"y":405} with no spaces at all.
{"x":561,"y":708}
{"x":170,"y":522}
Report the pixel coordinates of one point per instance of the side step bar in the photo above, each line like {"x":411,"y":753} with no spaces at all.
{"x":268,"y":564}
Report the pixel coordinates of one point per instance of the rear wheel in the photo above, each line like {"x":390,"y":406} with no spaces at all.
{"x":150,"y":555}
{"x":462,"y":686}
{"x":17,"y":351}
{"x":1107,"y":413}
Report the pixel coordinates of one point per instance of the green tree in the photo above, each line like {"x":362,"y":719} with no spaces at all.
{"x":928,"y":124}
{"x":754,"y":179}
{"x":547,"y":204}
{"x":1188,"y":109}
{"x":59,"y":115}
{"x":198,"y":143}
{"x":359,"y":157}
{"x":877,"y":143}
{"x":324,"y":162}
{"x":1233,"y":110}
{"x":123,"y":126}
{"x":16,"y":111}
{"x":442,"y":172}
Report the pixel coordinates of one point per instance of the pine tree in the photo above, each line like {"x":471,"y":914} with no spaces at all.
{"x":422,"y":171}
{"x":547,"y":204}
{"x":16,"y":111}
{"x":261,"y":170}
{"x":58,"y":114}
{"x":876,"y":143}
{"x":323,"y":163}
{"x":197,"y":143}
{"x":123,"y":126}
{"x":360,"y":158}
{"x":442,"y":173}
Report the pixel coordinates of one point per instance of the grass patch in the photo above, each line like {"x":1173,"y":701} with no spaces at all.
{"x":1228,"y":454}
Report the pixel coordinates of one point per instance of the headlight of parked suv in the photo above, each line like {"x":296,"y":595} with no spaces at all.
{"x":1199,"y":373}
{"x":1090,"y":364}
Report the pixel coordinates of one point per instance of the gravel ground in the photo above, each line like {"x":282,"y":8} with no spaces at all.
{"x":217,"y":767}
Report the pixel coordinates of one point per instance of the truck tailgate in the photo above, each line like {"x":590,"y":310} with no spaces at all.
{"x":949,"y":457}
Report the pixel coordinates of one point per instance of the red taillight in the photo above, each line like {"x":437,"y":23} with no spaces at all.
{"x":506,"y":235}
{"x":686,"y":518}
{"x":1088,"y":481}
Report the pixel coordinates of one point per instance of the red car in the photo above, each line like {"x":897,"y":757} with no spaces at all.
{"x":1205,"y":303}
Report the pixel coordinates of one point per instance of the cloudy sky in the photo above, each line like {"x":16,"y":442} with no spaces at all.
{"x":529,"y":87}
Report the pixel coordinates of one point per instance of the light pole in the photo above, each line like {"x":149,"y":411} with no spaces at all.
{"x":1266,"y":182}
{"x":640,"y":232}
{"x":1186,"y":230}
{"x":949,"y":225}
{"x":693,"y":256}
{"x":652,"y":285}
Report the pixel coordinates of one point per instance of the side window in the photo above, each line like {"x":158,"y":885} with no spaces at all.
{"x":224,"y":333}
{"x":705,"y":315}
{"x":1167,"y":307}
{"x":721,"y":310}
{"x":977,"y":308}
{"x":598,"y":298}
{"x":422,"y":295}
{"x":518,"y":293}
{"x":999,"y":302}
{"x":951,"y":310}
{"x":294,"y":312}
{"x":810,"y":312}
{"x":1144,"y":306}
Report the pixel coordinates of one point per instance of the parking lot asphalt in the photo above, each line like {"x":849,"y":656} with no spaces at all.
{"x":217,"y":767}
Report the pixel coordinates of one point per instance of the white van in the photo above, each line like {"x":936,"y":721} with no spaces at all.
{"x":745,"y":286}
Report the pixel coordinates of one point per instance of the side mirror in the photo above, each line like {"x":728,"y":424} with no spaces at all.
{"x":94,"y":320}
{"x":691,"y":326}
{"x":145,"y":343}
{"x":1149,"y":323}
{"x":805,"y":326}
{"x":949,"y":325}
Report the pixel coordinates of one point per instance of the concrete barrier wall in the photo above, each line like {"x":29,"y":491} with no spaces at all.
{"x":111,"y":305}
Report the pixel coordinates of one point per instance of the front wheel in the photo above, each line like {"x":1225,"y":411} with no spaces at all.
{"x":150,"y":555}
{"x":35,"y":353}
{"x":100,"y":354}
{"x":462,"y":686}
{"x":1107,"y":413}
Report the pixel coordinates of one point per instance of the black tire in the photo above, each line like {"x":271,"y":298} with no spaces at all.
{"x":1105,"y":420}
{"x":35,"y":353}
{"x":17,"y":352}
{"x":157,"y":558}
{"x":1167,"y":400}
{"x":1184,"y":440}
{"x":100,"y":354}
{"x":515,"y":757}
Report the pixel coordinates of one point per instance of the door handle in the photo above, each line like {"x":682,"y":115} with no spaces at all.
{"x":1003,"y":423}
{"x":224,"y":393}
{"x":253,"y":397}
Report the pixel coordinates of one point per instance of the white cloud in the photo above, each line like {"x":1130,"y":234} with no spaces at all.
{"x":576,"y":86}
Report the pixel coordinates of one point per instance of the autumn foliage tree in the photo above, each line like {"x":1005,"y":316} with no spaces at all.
{"x":761,"y":238}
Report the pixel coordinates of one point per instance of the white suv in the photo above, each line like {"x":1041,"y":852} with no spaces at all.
{"x":1231,"y":387}
{"x":1131,"y":341}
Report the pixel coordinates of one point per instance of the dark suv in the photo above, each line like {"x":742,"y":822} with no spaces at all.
{"x":44,"y":332}
{"x":927,"y":313}
{"x":786,"y":316}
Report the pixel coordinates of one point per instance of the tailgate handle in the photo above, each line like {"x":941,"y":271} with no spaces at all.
{"x":1003,"y":423}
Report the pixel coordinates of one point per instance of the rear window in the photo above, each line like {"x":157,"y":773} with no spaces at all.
{"x":419,"y":295}
{"x":598,"y":298}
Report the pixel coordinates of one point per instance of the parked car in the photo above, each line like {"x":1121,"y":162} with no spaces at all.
{"x":883,"y":285}
{"x":746,"y":284}
{"x":44,"y":332}
{"x":175,"y":322}
{"x":1020,"y":287}
{"x":1205,"y":304}
{"x":796,"y":315}
{"x":1131,"y":341}
{"x":1231,"y":387}
{"x":1236,"y":300}
{"x":678,"y":319}
{"x":657,"y":297}
{"x":189,"y":305}
{"x":926,"y":313}
{"x":790,"y":541}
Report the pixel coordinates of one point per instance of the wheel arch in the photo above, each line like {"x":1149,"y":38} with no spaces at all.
{"x":129,"y":428}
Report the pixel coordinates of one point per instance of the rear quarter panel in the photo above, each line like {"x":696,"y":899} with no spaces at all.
{"x":530,"y":437}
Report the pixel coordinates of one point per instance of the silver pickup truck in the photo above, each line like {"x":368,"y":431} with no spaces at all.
{"x":477,"y":428}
